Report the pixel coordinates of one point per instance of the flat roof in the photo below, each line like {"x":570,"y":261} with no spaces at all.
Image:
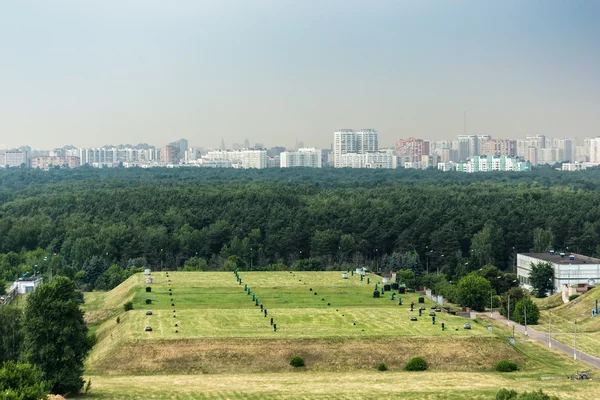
{"x":579,"y":259}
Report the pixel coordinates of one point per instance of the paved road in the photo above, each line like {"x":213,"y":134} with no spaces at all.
{"x":543,"y":338}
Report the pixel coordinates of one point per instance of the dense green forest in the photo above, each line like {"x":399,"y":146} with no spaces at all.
{"x":80,"y":222}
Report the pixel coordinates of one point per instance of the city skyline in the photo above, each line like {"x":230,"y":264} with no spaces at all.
{"x":132,"y":71}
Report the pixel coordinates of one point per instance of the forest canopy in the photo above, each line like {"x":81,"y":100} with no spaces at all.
{"x":84,"y":220}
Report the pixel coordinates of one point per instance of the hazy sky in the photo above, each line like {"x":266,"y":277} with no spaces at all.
{"x":90,"y":73}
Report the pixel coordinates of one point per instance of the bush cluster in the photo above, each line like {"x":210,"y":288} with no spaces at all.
{"x":382,"y":367}
{"x":573,"y":296}
{"x":505,"y":394}
{"x":416,"y":364}
{"x":128,"y":306}
{"x":507,"y":366}
{"x":297,"y":361}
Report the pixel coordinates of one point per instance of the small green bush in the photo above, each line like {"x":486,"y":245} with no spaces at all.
{"x":506,"y":366}
{"x":118,"y":320}
{"x":382,"y":367}
{"x":416,"y":364}
{"x":539,"y":395}
{"x":505,"y":394}
{"x":297,"y":361}
{"x":573,"y":296}
{"x":128,"y":306}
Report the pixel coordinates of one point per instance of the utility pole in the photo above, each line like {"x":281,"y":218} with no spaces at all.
{"x":508,"y":310}
{"x":525,"y":308}
{"x":550,"y":329}
{"x":575,"y":341}
{"x":492,"y":304}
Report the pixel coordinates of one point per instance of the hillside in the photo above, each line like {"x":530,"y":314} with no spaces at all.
{"x":337,"y":325}
{"x":561,"y":322}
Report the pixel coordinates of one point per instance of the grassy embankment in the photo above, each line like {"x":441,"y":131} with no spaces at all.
{"x":559,"y":319}
{"x":226,"y":348}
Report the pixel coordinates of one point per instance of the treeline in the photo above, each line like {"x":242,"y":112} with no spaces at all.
{"x":453,"y":223}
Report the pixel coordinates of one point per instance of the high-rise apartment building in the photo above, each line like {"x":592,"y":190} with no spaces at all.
{"x":411,"y":150}
{"x":367,"y":141}
{"x":594,"y":150}
{"x":538,"y":141}
{"x":498,"y":147}
{"x":566,"y":147}
{"x":168,"y":154}
{"x":183,"y":148}
{"x":344,"y":141}
{"x":531,"y":155}
{"x":348,"y":141}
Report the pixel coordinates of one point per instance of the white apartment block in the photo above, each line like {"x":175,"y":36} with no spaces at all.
{"x":415,"y":165}
{"x":254,"y":159}
{"x":17,"y":157}
{"x":575,"y":166}
{"x":102,"y":156}
{"x":594,"y":150}
{"x":367,"y":141}
{"x":487,"y":164}
{"x":447,"y":166}
{"x":344,"y":141}
{"x":305,"y":157}
{"x":379,"y":159}
{"x":347,"y":141}
{"x":239,"y":158}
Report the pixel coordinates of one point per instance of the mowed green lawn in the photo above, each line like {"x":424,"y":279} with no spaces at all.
{"x":213,"y":304}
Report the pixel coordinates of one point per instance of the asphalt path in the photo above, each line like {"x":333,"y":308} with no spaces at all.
{"x":543,"y":338}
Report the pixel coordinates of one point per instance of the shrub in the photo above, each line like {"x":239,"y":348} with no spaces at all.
{"x":505,"y":394}
{"x":539,"y":395}
{"x":382,"y":367}
{"x":416,"y":364}
{"x":573,"y":296}
{"x":21,"y":381}
{"x":506,"y":366}
{"x":128,"y":306}
{"x":297,"y":361}
{"x":118,"y":320}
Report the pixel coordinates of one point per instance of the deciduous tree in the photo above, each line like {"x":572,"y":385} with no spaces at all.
{"x":56,"y":337}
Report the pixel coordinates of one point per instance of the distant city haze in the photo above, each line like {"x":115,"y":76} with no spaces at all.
{"x":93,"y":73}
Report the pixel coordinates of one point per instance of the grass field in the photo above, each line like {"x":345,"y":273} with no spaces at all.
{"x":225,"y":347}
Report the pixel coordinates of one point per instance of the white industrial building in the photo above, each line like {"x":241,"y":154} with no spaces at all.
{"x":305,"y":157}
{"x":26,"y":285}
{"x":569,"y":269}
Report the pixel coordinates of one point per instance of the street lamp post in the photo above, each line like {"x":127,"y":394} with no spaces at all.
{"x":549,"y":329}
{"x":161,"y":259}
{"x":508,"y":311}
{"x":438,"y":266}
{"x":251,"y":254}
{"x":376,"y":260}
{"x":575,"y":341}
{"x":525,"y":309}
{"x":491,"y":304}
